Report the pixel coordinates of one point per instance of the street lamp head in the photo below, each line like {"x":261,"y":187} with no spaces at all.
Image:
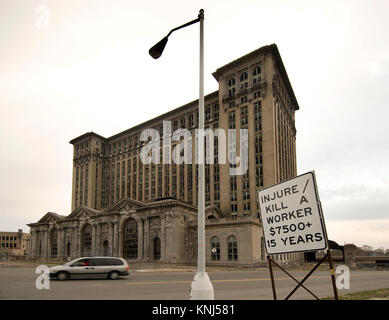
{"x":157,"y":50}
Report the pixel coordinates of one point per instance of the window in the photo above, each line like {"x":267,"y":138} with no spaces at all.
{"x":257,"y":75}
{"x":207,"y":114}
{"x":243,"y":76}
{"x":231,"y":82}
{"x":246,"y":185}
{"x":107,"y":262}
{"x":86,"y":240}
{"x":130,"y":239}
{"x":257,"y":71}
{"x":53,"y":243}
{"x":244,"y":116}
{"x":231,"y":120}
{"x":243,"y":81}
{"x":216,"y":110}
{"x":215,"y":248}
{"x":83,"y":262}
{"x":231,"y":88}
{"x":232,"y":248}
{"x":246,"y":195}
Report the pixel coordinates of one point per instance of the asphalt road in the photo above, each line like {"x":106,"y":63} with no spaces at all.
{"x":19,"y":283}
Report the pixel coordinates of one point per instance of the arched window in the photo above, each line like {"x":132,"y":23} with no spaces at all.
{"x":130,"y":239}
{"x":257,"y":74}
{"x":68,"y":249}
{"x":87,"y":240}
{"x":243,"y":76}
{"x":231,"y":82}
{"x":54,"y":243}
{"x":257,"y":71}
{"x":105,"y":248}
{"x":215,"y":248}
{"x":232,"y":248}
{"x":156,"y":249}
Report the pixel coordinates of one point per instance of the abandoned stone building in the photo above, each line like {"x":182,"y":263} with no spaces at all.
{"x":148,"y":212}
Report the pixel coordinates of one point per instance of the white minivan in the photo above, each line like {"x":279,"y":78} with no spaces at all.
{"x":91,"y":267}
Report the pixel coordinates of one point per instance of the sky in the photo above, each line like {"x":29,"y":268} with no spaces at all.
{"x":70,"y":67}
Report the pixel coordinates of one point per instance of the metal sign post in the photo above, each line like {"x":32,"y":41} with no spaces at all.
{"x":292,"y":222}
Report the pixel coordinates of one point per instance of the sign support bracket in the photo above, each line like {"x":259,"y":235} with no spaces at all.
{"x":300,"y":283}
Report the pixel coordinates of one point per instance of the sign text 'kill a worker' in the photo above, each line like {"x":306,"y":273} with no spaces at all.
{"x":291,"y":216}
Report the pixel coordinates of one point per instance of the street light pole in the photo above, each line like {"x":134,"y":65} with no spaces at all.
{"x":201,"y":288}
{"x":201,"y":181}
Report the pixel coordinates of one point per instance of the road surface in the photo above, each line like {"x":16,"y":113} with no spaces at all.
{"x":19,"y":283}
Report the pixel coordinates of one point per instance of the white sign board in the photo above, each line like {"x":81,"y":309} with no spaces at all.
{"x":291,"y":217}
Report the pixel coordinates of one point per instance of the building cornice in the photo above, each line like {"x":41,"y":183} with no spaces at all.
{"x":85,"y":135}
{"x":165,"y":116}
{"x":263,"y":51}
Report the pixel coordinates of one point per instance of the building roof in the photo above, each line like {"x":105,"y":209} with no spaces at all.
{"x":91,"y":134}
{"x":166,"y":115}
{"x":269,"y":49}
{"x":118,"y":206}
{"x":158,"y":118}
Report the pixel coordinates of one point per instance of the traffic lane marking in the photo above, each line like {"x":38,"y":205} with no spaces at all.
{"x":236,"y":280}
{"x":225,"y":280}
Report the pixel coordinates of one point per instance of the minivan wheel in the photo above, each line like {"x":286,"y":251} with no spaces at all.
{"x":114,"y":275}
{"x":62,"y":276}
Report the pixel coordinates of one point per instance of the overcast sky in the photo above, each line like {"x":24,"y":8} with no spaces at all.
{"x":88,"y":69}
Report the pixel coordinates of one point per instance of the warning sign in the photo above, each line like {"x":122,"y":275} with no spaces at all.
{"x":291,"y":216}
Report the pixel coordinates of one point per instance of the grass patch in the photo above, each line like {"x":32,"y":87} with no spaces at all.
{"x":364,"y":295}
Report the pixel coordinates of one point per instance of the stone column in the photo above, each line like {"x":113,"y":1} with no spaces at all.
{"x":115,"y":239}
{"x":163,"y":239}
{"x":71,"y":241}
{"x":140,"y":239}
{"x":146,"y":241}
{"x":120,"y":240}
{"x":79,"y":242}
{"x":59,"y":243}
{"x":93,"y":253}
{"x":98,"y":240}
{"x":110,"y":239}
{"x":63,"y":243}
{"x":48,"y":243}
{"x":38,"y":244}
{"x":45,"y":245}
{"x":32,"y":245}
{"x":74,"y":243}
{"x":41,"y":244}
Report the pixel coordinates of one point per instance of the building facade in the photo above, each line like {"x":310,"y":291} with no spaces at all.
{"x":122,"y":206}
{"x":14,"y":243}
